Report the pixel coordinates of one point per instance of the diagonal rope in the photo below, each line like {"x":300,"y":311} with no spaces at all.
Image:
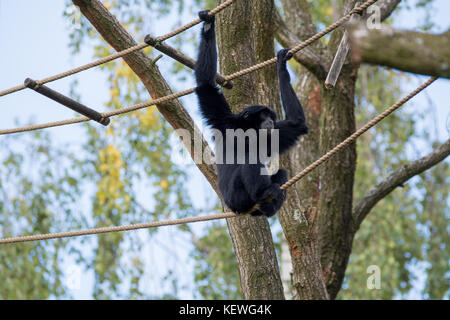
{"x":118,"y":54}
{"x":289,"y":183}
{"x":356,"y":134}
{"x":188,"y":91}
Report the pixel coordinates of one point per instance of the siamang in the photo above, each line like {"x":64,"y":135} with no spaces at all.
{"x":242,"y":184}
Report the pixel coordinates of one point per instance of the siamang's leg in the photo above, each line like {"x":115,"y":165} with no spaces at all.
{"x":234,"y":192}
{"x":280,"y":177}
{"x":206,"y":66}
{"x":267,"y":208}
{"x":255,"y":184}
{"x":272,"y":207}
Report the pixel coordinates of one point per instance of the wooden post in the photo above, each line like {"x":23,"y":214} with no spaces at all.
{"x":341,"y":55}
{"x":66,"y":101}
{"x":182,"y":58}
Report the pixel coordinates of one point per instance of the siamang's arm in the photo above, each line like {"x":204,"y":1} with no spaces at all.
{"x":295,"y":123}
{"x":213,"y":104}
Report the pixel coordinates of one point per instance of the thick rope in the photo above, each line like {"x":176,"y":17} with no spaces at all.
{"x":356,"y":134}
{"x":188,"y":91}
{"x":289,"y":183}
{"x":118,"y":54}
{"x":116,"y":229}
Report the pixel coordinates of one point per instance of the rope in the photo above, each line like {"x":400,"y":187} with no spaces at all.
{"x":116,"y":229}
{"x":188,"y":91}
{"x":118,"y":54}
{"x":356,"y":134}
{"x":289,"y":183}
{"x":104,"y":114}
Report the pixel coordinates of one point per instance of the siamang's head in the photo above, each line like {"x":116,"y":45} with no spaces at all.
{"x":258,"y":117}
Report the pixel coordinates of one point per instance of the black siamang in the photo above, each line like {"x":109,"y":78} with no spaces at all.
{"x":242,"y":185}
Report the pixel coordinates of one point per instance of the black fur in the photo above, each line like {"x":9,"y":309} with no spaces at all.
{"x":242,"y":185}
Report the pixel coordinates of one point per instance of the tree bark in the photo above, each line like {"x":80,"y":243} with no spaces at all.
{"x":336,"y":177}
{"x":409,"y":51}
{"x":237,"y":38}
{"x":307,"y":274}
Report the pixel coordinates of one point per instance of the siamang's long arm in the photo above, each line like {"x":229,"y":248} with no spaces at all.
{"x":206,"y":66}
{"x":213,"y":105}
{"x":295,"y":123}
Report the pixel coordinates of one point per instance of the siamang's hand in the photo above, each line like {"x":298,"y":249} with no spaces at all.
{"x":283,"y":55}
{"x":203,"y":15}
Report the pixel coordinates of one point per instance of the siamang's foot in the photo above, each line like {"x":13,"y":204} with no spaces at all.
{"x":267,"y":208}
{"x":203,"y":15}
{"x":283,"y":55}
{"x":272,"y":199}
{"x":271,"y":192}
{"x":256,"y":213}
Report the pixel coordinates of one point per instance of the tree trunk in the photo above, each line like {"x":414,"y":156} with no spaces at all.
{"x":337,"y":177}
{"x":237,"y":34}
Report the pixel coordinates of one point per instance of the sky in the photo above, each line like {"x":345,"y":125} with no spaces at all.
{"x":34,"y":40}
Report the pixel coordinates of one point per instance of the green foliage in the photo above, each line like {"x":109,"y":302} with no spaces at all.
{"x":216,"y":270}
{"x":426,"y":8}
{"x":37,"y":196}
{"x":392,"y":235}
{"x":129,"y":163}
{"x":434,"y":221}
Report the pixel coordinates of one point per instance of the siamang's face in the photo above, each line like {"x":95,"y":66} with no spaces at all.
{"x":258,"y":117}
{"x":267,"y":120}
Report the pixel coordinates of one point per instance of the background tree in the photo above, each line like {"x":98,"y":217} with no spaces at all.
{"x":134,"y":155}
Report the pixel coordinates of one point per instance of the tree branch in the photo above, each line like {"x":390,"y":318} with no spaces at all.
{"x":408,"y":51}
{"x":316,"y":64}
{"x":174,"y":112}
{"x":396,"y":179}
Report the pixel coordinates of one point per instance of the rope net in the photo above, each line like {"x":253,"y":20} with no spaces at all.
{"x":188,"y":91}
{"x":352,"y":138}
{"x":116,"y":55}
{"x":289,"y":183}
